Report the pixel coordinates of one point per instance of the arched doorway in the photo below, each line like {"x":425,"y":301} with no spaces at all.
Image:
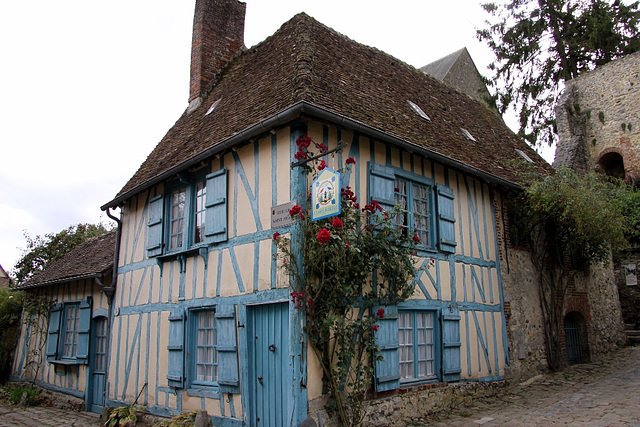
{"x":575,"y":332}
{"x":612,"y":164}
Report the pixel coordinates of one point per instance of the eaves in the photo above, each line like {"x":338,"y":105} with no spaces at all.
{"x":293,"y":112}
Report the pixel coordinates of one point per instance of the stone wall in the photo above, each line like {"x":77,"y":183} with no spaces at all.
{"x":629,"y":290}
{"x":523,"y":313}
{"x":598,"y":114}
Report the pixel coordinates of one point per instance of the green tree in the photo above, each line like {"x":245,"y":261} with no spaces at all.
{"x":572,"y":221}
{"x":42,"y":250}
{"x":10,"y":309}
{"x":538,"y":45}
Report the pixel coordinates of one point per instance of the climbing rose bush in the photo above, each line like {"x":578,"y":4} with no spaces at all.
{"x":341,"y":269}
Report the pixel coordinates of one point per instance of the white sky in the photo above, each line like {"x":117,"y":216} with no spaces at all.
{"x":87,"y":89}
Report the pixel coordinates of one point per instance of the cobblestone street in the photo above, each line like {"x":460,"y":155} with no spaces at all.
{"x":605,"y":394}
{"x":602,"y":394}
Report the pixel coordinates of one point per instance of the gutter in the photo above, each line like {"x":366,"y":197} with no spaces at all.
{"x":62,"y":280}
{"x":293,"y":112}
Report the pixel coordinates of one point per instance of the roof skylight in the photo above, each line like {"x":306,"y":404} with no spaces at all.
{"x":524,"y":156}
{"x":213,"y":106}
{"x":418,"y":110}
{"x":468,"y":135}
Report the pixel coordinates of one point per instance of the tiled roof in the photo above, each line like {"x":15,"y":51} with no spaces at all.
{"x":307,"y":62}
{"x":91,"y":259}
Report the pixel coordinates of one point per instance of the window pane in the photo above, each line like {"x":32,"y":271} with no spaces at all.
{"x":70,"y":330}
{"x":420,"y":196}
{"x":402,"y":200}
{"x":415,"y":336}
{"x":206,"y":357}
{"x":201,"y":193}
{"x":177,"y":218}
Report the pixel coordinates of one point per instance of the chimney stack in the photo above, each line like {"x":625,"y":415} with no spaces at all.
{"x":218,"y":35}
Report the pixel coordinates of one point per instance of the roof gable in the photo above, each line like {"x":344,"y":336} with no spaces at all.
{"x":305,"y":61}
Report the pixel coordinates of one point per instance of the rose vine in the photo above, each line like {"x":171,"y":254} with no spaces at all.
{"x":341,"y":270}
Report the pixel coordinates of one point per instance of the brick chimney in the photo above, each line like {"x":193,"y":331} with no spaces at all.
{"x":218,"y":35}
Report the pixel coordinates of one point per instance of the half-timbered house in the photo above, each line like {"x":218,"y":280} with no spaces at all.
{"x":67,"y":351}
{"x":202,"y":317}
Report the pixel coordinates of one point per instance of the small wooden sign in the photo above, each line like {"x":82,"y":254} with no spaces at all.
{"x":325,"y":195}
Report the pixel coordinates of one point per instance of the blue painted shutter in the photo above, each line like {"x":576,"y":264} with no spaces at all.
{"x":54,"y":328}
{"x":451,"y":344}
{"x":154,"y":226}
{"x":387,"y":369}
{"x":382,"y":182}
{"x":446,"y":220}
{"x":228,"y":380}
{"x":215,"y":224}
{"x":175,"y":372}
{"x":84,"y":328}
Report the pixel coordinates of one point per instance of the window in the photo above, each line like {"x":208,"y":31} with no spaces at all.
{"x":428,"y":209}
{"x":416,"y":345}
{"x":187,"y":209}
{"x":414,"y":201}
{"x":70,"y":330}
{"x":68,"y":333}
{"x":101,"y":344}
{"x":211,"y":356}
{"x":191,"y":215}
{"x":206,"y":356}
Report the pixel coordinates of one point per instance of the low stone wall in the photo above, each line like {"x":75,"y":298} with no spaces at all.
{"x":415,"y":405}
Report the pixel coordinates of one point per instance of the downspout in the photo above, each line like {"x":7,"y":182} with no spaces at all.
{"x":110,"y":292}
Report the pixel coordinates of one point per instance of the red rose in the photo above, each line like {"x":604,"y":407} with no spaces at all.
{"x":351,"y":161}
{"x":295,"y":210}
{"x":375,"y":328}
{"x":347,"y":244}
{"x":323,"y":165}
{"x":276,"y":235}
{"x":324,"y":236}
{"x":380,"y":313}
{"x":337,"y":223}
{"x":416,"y":239}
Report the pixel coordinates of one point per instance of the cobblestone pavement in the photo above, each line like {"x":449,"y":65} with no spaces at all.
{"x":603,"y":394}
{"x":40,"y":416}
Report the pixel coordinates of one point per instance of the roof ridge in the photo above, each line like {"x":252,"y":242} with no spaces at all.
{"x":303,"y":51}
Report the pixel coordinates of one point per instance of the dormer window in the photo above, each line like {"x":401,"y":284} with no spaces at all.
{"x":416,"y":108}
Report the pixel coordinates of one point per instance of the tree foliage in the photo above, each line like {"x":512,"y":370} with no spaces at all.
{"x":573,"y":222}
{"x":538,"y":45}
{"x":10,"y":310}
{"x":43,"y":250}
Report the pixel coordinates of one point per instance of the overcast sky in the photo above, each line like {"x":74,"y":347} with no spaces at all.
{"x":87,"y":88}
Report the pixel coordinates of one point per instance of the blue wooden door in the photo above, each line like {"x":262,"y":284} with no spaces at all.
{"x":97,"y":365}
{"x":269,"y":368}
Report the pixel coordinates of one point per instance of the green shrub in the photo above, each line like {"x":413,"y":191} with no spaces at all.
{"x":30,"y":393}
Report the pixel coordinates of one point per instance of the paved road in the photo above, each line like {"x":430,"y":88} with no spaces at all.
{"x":605,"y":394}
